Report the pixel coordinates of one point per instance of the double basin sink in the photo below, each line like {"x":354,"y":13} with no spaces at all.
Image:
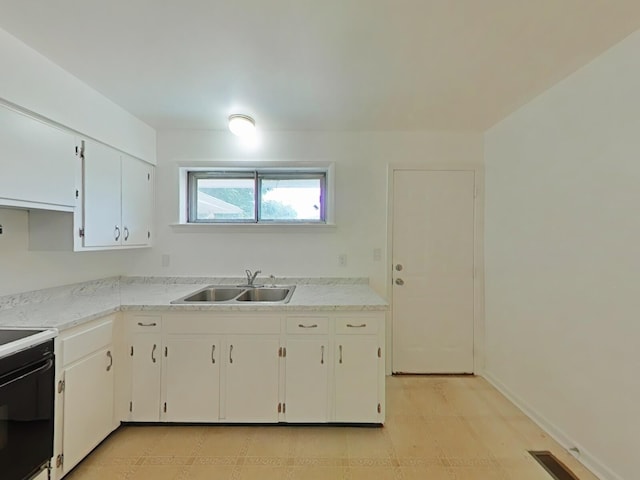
{"x":238,"y":294}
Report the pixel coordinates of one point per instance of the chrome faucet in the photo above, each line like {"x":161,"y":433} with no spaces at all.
{"x":251,"y":277}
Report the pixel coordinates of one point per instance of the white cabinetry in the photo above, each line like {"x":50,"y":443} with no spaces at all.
{"x":252,"y":373}
{"x":191,"y":364}
{"x":358,"y":361}
{"x":307,"y":369}
{"x":38,"y":164}
{"x":118,"y":198}
{"x":86,"y":392}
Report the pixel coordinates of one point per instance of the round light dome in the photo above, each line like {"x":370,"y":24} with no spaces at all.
{"x":242,"y":125}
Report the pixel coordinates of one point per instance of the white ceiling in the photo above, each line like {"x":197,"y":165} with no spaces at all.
{"x":321,"y":64}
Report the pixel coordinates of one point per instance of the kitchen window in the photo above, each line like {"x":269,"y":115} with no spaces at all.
{"x":257,"y":196}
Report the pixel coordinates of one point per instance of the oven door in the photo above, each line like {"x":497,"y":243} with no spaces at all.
{"x":26,"y":419}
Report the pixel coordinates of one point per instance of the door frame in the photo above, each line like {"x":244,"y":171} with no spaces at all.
{"x":478,"y":254}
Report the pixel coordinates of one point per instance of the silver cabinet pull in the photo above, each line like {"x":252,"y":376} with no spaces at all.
{"x":340,"y":348}
{"x":399,"y":281}
{"x":362,"y":325}
{"x":126,"y":234}
{"x":152,"y":324}
{"x":110,"y":357}
{"x":322,"y":355}
{"x":213,"y":354}
{"x":153,"y":351}
{"x":230,"y":352}
{"x":301,"y":325}
{"x":116,"y":233}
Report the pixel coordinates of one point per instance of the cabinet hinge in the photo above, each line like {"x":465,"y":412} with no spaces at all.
{"x":379,"y":408}
{"x":165,"y":407}
{"x":132,"y":350}
{"x":279,"y":408}
{"x":148,"y":234}
{"x":61,"y":386}
{"x":166,"y":351}
{"x":379,"y":352}
{"x":77,"y":194}
{"x":280,"y":352}
{"x":148,"y":176}
{"x":284,"y":408}
{"x":81,"y":232}
{"x":284,"y":351}
{"x":131,"y":406}
{"x":60,"y":460}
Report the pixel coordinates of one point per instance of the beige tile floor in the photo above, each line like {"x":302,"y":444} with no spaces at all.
{"x":453,"y":428}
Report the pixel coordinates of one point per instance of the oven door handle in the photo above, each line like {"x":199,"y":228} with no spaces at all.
{"x":44,"y":367}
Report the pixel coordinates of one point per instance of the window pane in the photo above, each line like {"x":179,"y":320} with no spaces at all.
{"x":225,"y":199}
{"x":291,"y":199}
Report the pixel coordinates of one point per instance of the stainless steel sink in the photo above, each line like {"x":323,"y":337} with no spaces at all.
{"x":214,"y":294}
{"x":234,"y":294}
{"x":266,"y":294}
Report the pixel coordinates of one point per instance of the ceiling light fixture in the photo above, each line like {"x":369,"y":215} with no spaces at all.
{"x":242,"y":125}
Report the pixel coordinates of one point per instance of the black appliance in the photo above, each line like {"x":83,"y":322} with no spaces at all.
{"x":27,"y":391}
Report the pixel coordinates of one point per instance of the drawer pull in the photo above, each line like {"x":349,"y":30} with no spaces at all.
{"x":153,"y":351}
{"x":213,"y":354}
{"x":230,"y":353}
{"x":362,"y":325}
{"x":152,"y":324}
{"x":301,"y":325}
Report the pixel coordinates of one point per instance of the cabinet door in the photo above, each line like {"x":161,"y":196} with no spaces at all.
{"x":306,"y":384}
{"x":356,"y":378}
{"x":145,"y":377}
{"x":38,"y":163}
{"x":191,"y":379}
{"x":88,"y":405}
{"x":137,"y":201}
{"x":252,"y":374}
{"x":101,"y":178}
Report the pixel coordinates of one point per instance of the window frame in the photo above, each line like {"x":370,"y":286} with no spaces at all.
{"x":258,"y":174}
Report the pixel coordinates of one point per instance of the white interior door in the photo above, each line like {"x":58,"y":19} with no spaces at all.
{"x":433,"y":271}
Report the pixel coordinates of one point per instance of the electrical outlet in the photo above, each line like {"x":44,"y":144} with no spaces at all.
{"x":342,"y":259}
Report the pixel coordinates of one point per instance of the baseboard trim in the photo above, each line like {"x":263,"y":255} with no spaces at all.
{"x":586,"y":458}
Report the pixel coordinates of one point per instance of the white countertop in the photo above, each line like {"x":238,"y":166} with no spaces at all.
{"x":81,"y":304}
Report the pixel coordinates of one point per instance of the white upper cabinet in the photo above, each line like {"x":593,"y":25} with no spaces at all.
{"x":117,"y":199}
{"x":37,"y":164}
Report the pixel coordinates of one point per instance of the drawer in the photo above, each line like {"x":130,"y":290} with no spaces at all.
{"x":193,"y":324}
{"x":307,"y":325}
{"x":357,"y":325}
{"x":85,"y":342}
{"x":145,"y":323}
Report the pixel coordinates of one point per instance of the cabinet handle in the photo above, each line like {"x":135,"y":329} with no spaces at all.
{"x":315,"y":325}
{"x":340,"y":348}
{"x":152,"y":324}
{"x":116,"y":233}
{"x":362,"y":325}
{"x":230,"y":352}
{"x":213,"y":352}
{"x":322,"y":355}
{"x":126,"y":234}
{"x":153,"y":351}
{"x":110,"y":357}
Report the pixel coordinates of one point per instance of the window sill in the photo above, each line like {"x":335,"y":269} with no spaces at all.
{"x":246,"y":227}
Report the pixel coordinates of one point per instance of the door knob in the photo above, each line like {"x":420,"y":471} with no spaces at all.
{"x":399,"y":281}
{"x":399,"y":267}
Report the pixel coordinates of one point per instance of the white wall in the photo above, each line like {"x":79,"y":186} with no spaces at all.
{"x":562,"y":258}
{"x":22,"y":270}
{"x":33,"y":82}
{"x":361,"y":161}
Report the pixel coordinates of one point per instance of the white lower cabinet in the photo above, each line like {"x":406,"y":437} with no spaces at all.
{"x":252,"y":378}
{"x":145,"y":352}
{"x":302,"y":368}
{"x":191,"y":364}
{"x":86,"y":393}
